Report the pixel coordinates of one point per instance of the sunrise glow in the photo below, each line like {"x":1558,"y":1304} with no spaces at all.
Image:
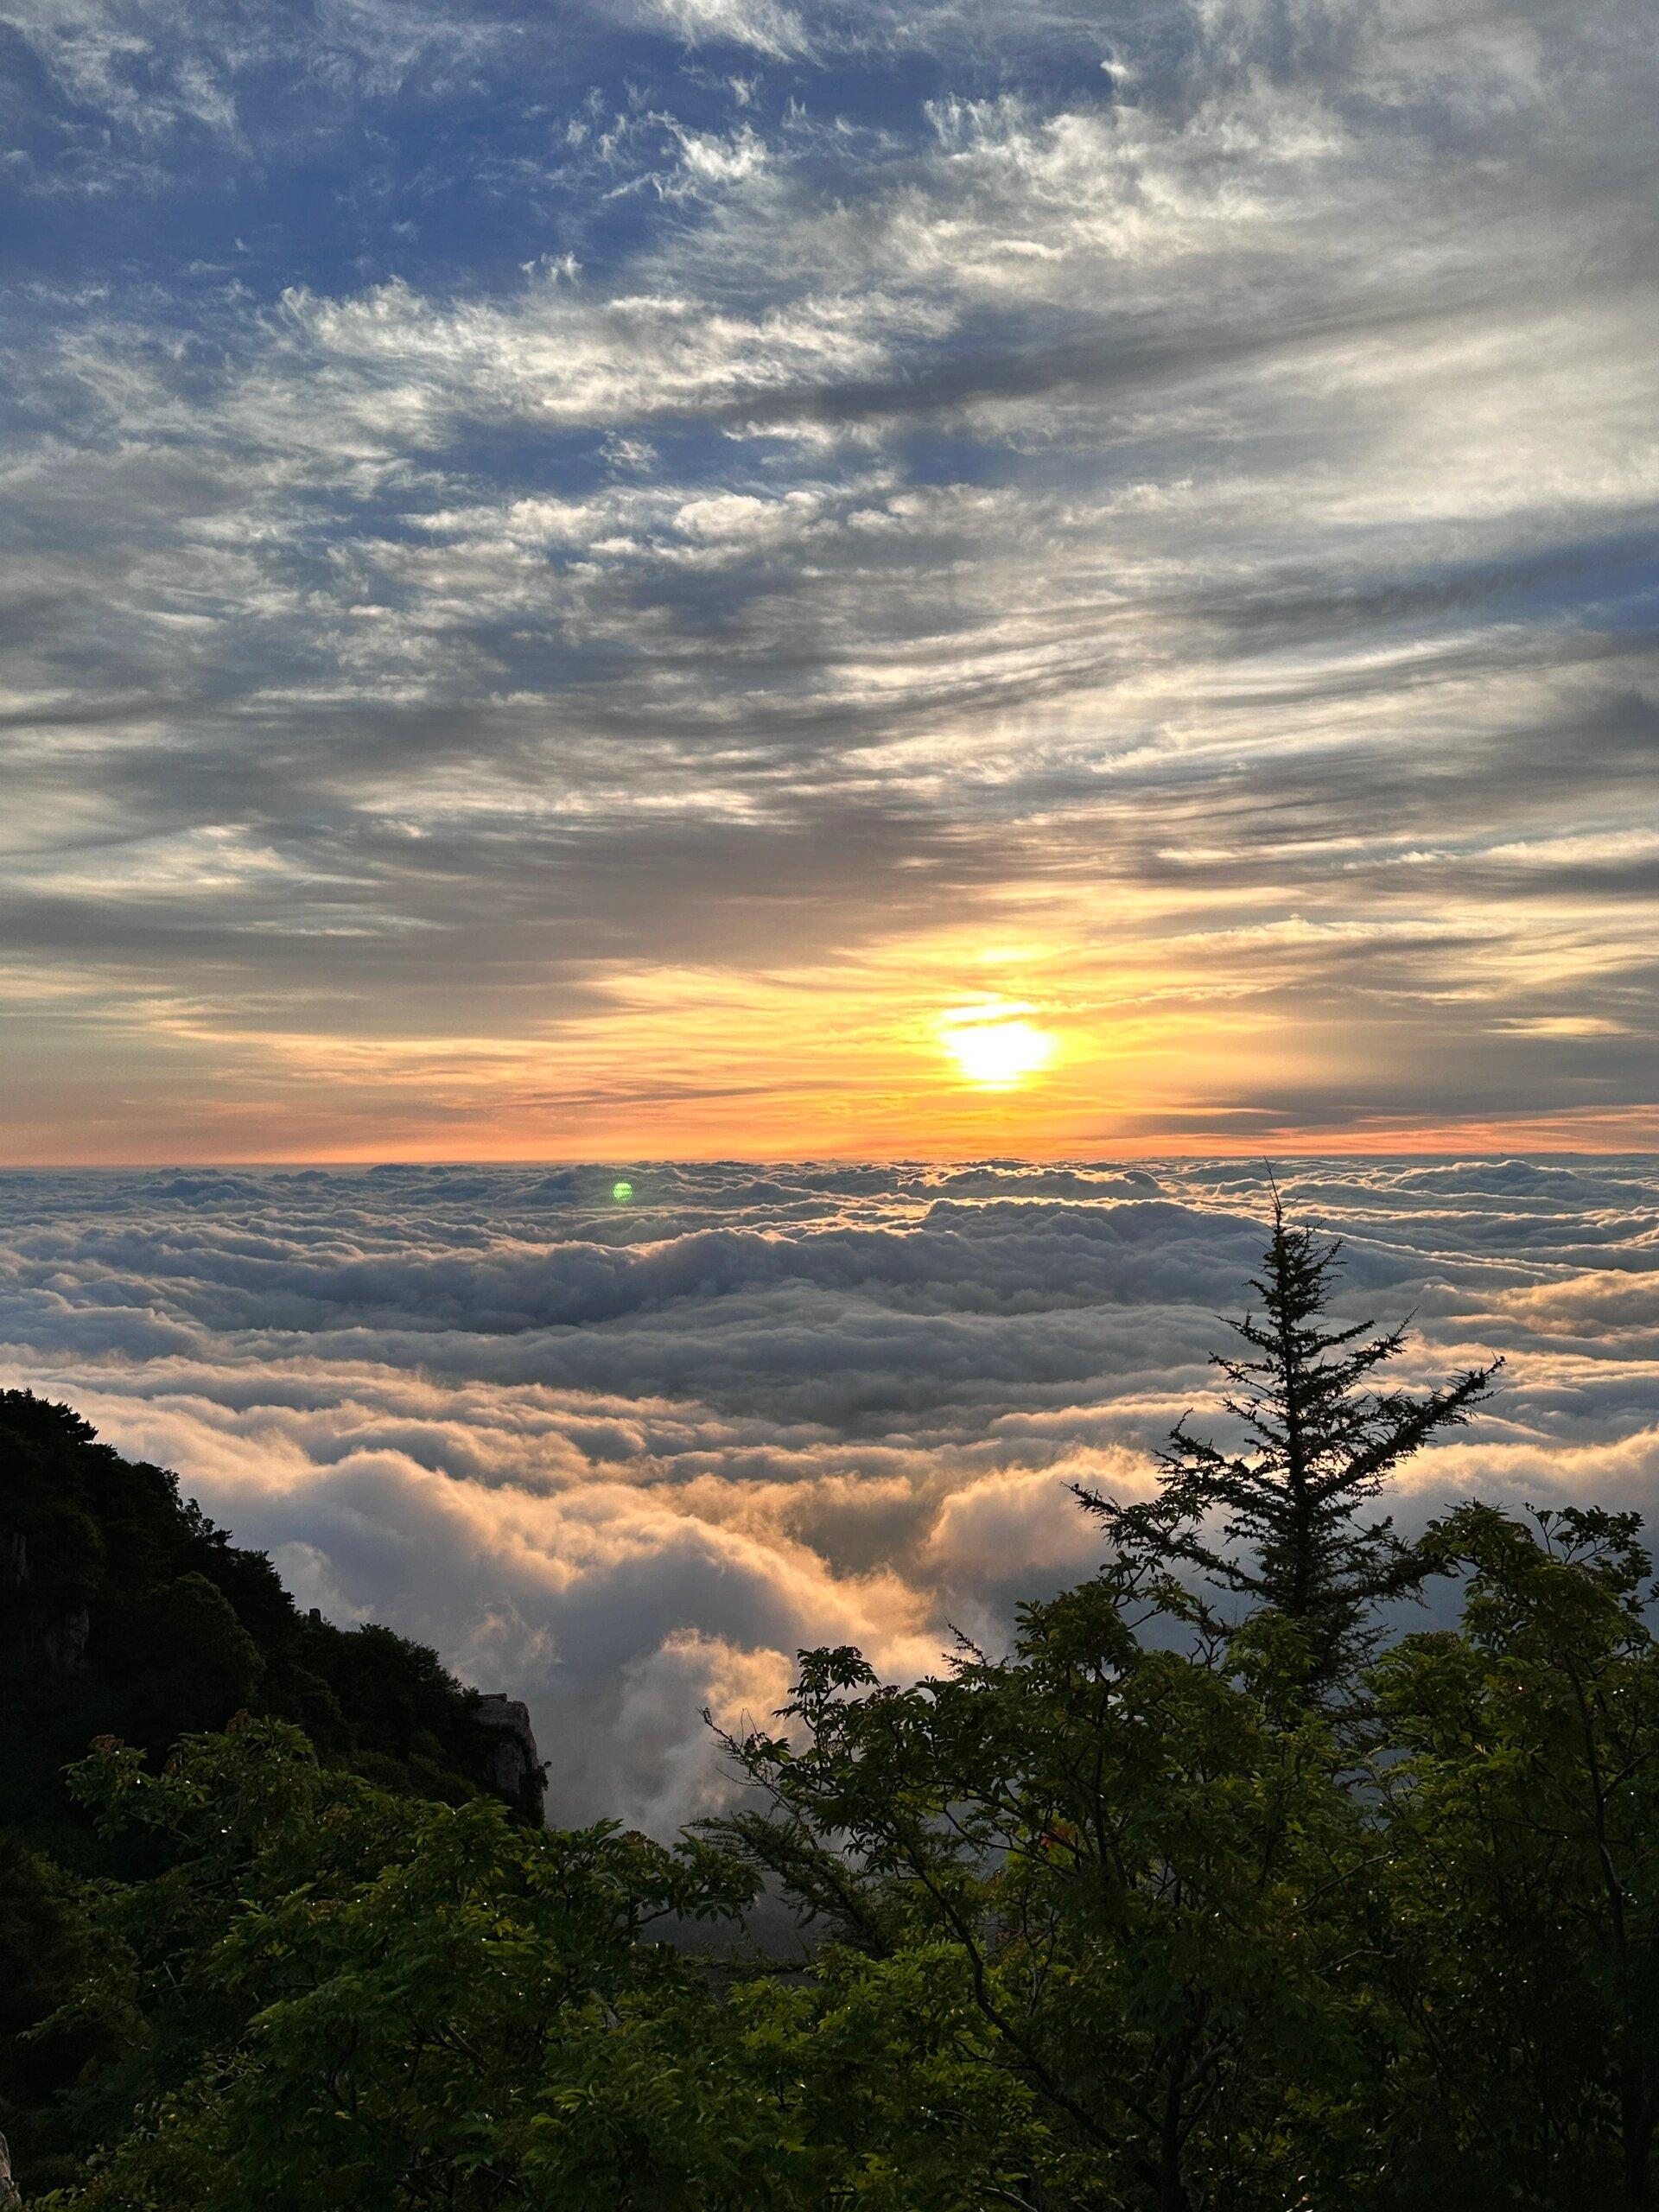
{"x":999,"y":1055}
{"x":883,"y":607}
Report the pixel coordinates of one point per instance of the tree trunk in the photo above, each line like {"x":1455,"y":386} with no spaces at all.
{"x":1172,"y":2187}
{"x":1636,"y":2117}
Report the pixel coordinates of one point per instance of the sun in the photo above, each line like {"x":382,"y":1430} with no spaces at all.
{"x":999,"y":1054}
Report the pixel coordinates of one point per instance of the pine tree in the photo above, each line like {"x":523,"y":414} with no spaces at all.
{"x":1279,"y":1522}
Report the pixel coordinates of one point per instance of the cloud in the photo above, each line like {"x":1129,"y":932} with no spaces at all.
{"x":1050,"y":468}
{"x":1024,"y":1525}
{"x":625,"y":1461}
{"x":763,"y":25}
{"x":576,"y":590}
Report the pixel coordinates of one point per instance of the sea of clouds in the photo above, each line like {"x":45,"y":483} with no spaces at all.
{"x":626,"y":1459}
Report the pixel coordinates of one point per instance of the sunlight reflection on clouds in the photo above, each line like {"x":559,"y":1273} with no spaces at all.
{"x":626,"y":1460}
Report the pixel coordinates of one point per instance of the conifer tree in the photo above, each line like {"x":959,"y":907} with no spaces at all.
{"x":1281,"y":1521}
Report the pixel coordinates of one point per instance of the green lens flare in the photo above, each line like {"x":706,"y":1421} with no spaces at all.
{"x":621,"y":1193}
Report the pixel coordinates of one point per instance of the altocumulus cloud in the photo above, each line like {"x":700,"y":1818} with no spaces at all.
{"x":510,"y":522}
{"x":627,"y":1460}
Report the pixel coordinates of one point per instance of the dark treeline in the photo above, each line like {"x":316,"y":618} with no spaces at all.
{"x":1201,"y":1898}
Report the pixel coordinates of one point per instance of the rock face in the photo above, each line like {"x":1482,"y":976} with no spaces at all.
{"x":10,"y":2193}
{"x":63,"y":1644}
{"x":508,"y":1762}
{"x":58,"y":1642}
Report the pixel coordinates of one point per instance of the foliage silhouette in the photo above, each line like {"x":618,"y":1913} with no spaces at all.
{"x":125,"y":1612}
{"x":1279,"y":1522}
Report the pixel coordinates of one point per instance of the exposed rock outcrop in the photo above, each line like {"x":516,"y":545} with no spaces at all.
{"x":510,"y":1763}
{"x":58,"y":1642}
{"x":63,"y":1643}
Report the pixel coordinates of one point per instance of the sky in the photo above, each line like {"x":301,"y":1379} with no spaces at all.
{"x":712,"y":578}
{"x":624,"y":1459}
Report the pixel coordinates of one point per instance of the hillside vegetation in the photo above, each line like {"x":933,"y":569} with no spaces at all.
{"x":125,"y":1613}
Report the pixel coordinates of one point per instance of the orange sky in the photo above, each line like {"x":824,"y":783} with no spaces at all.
{"x":759,"y":546}
{"x":934,"y":1049}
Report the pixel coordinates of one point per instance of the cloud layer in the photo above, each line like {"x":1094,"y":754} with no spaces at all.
{"x":578,"y":585}
{"x":626,"y":1459}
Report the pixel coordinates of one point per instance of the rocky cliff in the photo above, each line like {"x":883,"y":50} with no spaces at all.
{"x":511,"y":1765}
